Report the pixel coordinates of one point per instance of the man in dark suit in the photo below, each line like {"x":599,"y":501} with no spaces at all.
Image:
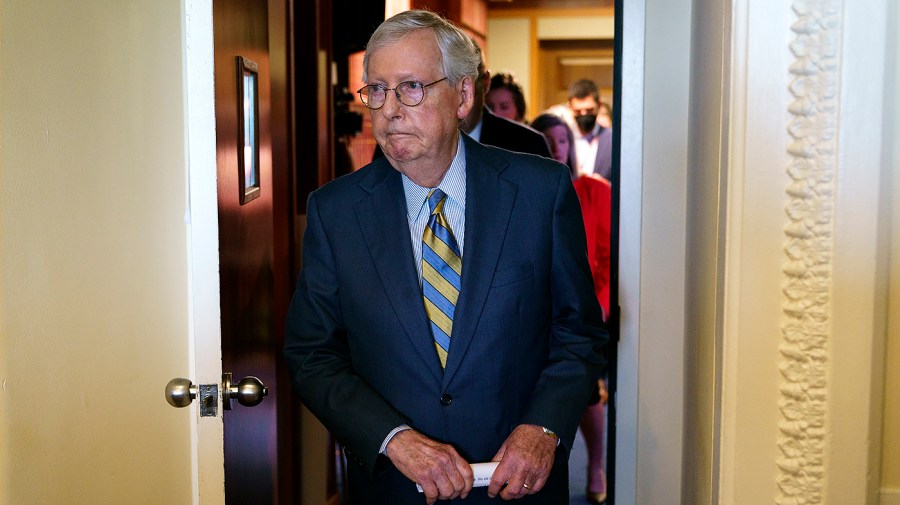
{"x":498,"y":368}
{"x":501,"y":132}
{"x":492,"y":130}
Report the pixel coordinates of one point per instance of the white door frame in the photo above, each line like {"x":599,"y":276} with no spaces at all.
{"x":655,"y":150}
{"x":655,"y":72}
{"x":203,"y":242}
{"x":654,"y":139}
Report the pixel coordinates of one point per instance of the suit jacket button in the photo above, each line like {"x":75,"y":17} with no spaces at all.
{"x":446,"y":399}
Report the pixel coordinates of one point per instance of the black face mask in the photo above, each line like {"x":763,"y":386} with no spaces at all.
{"x":586,"y":122}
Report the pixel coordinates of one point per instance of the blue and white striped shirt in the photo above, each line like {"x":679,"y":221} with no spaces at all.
{"x":454,"y":185}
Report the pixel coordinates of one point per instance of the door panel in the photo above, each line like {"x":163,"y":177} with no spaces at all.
{"x":252,"y":281}
{"x":206,"y":345}
{"x":93,"y":291}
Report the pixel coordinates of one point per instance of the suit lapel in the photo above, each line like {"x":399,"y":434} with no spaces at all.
{"x":489,"y":203}
{"x":382,"y":218}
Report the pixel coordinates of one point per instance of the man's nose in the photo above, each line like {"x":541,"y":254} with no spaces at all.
{"x":392,"y":103}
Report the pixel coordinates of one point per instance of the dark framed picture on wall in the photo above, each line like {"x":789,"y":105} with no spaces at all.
{"x":248,"y":129}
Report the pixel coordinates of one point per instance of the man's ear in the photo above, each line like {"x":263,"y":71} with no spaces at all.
{"x":466,"y":97}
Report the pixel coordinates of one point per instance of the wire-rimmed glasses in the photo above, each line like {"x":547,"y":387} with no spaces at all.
{"x":410,"y":93}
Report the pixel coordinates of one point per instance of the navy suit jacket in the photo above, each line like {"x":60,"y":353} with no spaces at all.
{"x":527,"y":337}
{"x":512,"y":136}
{"x":603,"y":159}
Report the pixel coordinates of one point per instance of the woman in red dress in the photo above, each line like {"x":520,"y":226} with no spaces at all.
{"x":595,"y":195}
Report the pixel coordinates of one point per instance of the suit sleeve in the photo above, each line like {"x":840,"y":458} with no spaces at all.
{"x":578,"y":334}
{"x":318,"y":354}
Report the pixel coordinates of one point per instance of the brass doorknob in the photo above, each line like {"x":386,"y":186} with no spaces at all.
{"x":180,"y":392}
{"x":249,"y":392}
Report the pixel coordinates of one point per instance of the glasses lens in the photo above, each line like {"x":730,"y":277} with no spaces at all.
{"x":411,"y":93}
{"x":372,"y":96}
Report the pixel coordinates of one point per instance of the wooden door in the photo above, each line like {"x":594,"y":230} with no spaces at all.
{"x":253,"y":240}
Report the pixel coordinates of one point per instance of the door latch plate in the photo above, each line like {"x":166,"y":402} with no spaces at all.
{"x":209,"y":400}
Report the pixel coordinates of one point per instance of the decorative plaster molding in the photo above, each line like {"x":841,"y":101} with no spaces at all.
{"x":806,"y":307}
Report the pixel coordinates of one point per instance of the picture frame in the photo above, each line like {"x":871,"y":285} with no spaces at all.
{"x":248,"y":129}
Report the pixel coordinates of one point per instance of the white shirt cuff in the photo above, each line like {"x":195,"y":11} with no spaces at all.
{"x":390,"y":435}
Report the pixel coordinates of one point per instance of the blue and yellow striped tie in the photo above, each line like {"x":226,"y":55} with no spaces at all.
{"x":441,"y":270}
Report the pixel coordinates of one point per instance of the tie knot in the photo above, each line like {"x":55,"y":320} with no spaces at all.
{"x":436,"y":201}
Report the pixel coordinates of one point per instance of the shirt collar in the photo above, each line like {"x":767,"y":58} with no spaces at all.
{"x":453,"y":184}
{"x":476,"y":132}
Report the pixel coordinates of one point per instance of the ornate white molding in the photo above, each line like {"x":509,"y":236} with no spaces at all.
{"x":806,"y":326}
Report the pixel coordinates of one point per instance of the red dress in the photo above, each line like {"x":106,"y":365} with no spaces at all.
{"x":595,"y":195}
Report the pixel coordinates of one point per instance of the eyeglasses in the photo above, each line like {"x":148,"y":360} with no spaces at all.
{"x":410,"y":93}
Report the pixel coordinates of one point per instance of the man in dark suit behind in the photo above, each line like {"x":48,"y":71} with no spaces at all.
{"x":365,"y":343}
{"x":492,"y":130}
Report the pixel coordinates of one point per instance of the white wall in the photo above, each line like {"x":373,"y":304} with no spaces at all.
{"x":652,"y":347}
{"x":509,"y":49}
{"x":796,"y":342}
{"x":784,"y":184}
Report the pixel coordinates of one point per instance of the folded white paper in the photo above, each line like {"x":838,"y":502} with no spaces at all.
{"x":482,"y":471}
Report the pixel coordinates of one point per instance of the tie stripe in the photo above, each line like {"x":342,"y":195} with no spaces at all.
{"x":443,"y":288}
{"x":440,"y":325}
{"x":442,"y":257}
{"x":441,"y":271}
{"x":437,"y":265}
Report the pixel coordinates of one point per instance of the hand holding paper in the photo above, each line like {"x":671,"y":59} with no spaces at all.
{"x":482,"y":472}
{"x":526,"y":458}
{"x":445,"y":475}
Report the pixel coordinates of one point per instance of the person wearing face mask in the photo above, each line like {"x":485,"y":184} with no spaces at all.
{"x":593,"y":142}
